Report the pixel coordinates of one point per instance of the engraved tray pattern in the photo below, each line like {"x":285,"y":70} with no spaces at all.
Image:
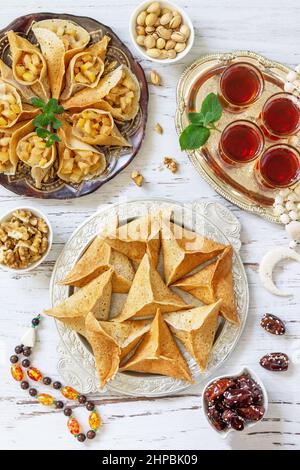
{"x":76,"y":363}
{"x":117,"y":157}
{"x":235,"y":184}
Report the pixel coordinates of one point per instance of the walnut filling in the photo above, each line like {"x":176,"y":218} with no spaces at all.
{"x":69,"y":36}
{"x":33,"y":151}
{"x":77,"y":164}
{"x":86,"y":69}
{"x":29,"y":67}
{"x":92,"y":124}
{"x":9,"y":107}
{"x":121,"y":96}
{"x":4,"y":152}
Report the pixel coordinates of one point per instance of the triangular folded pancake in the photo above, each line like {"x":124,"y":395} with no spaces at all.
{"x":148,"y":293}
{"x":98,"y":258}
{"x":127,"y":334}
{"x":95,"y":297}
{"x":159,"y":354}
{"x":138,"y":237}
{"x":214,"y":282}
{"x":22,"y":53}
{"x":106,"y":350}
{"x":196,"y":329}
{"x":184,"y":250}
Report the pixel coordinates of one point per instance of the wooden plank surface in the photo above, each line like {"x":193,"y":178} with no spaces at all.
{"x":272,"y":29}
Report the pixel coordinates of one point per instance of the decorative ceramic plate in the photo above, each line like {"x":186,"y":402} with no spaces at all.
{"x":235,"y":184}
{"x":76,"y":362}
{"x":117,"y":158}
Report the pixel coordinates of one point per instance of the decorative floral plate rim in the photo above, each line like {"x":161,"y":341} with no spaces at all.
{"x":195,"y":156}
{"x":21,"y":183}
{"x":76,"y":363}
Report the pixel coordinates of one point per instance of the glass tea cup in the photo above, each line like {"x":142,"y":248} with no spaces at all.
{"x":241,"y":85}
{"x":280,"y":116}
{"x":241,"y":142}
{"x":278,"y":167}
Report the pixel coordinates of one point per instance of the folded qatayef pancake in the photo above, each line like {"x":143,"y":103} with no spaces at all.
{"x":117,"y":92}
{"x":78,"y":161}
{"x":29,"y":65}
{"x":97,"y":127}
{"x":85,"y":68}
{"x":6,"y":74}
{"x":98,"y":258}
{"x":159,"y":354}
{"x":59,"y":40}
{"x":148,"y":293}
{"x":12,"y":110}
{"x":140,"y":236}
{"x":106,"y":350}
{"x":196,"y":329}
{"x":95,"y":297}
{"x":184,"y":250}
{"x":127,"y":334}
{"x":8,"y":143}
{"x":215,"y":282}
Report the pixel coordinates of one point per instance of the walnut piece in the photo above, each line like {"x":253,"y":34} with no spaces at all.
{"x":171,"y":164}
{"x":23,"y":239}
{"x":137,"y":178}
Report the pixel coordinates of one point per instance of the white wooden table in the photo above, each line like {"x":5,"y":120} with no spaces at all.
{"x":272,"y":29}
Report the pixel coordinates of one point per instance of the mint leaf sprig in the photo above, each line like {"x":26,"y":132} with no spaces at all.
{"x":198,"y":132}
{"x":47,"y":120}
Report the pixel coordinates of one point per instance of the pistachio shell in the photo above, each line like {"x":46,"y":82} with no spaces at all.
{"x":166,"y":18}
{"x":151,"y":19}
{"x":178,"y":37}
{"x":164,"y":32}
{"x":141,"y":18}
{"x":141,"y":40}
{"x":140,"y":30}
{"x":149,"y":29}
{"x":160,"y":43}
{"x":184,"y":29}
{"x":180,"y":46}
{"x":154,"y":8}
{"x":175,"y":22}
{"x":170,"y":44}
{"x":149,"y":42}
{"x":171,"y":54}
{"x":154,"y":53}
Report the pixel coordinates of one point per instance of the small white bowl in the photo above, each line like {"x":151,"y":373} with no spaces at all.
{"x":40,"y":214}
{"x":254,"y":376}
{"x":186,"y":20}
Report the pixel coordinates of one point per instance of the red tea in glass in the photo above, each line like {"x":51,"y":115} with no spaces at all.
{"x":241,"y":84}
{"x":280,"y":116}
{"x":278,"y":167}
{"x":241,"y":142}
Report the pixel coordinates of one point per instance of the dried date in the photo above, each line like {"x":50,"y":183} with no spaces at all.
{"x":272,"y":324}
{"x":276,"y":362}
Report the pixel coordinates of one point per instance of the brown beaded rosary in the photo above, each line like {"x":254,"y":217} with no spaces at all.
{"x":46,"y":399}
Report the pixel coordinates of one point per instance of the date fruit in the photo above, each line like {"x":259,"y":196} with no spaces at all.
{"x":272,"y":324}
{"x":276,"y":362}
{"x":251,"y":413}
{"x":232,"y":402}
{"x":217,"y":388}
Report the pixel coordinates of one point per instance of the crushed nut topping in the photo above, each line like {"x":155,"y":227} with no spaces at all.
{"x":171,"y":164}
{"x":158,"y":128}
{"x":137,"y":178}
{"x":23,"y":239}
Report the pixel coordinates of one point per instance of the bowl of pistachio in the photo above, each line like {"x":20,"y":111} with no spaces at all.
{"x":161,"y":31}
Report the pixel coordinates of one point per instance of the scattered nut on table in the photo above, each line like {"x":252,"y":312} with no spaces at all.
{"x":158,"y":128}
{"x":137,"y":178}
{"x":171,"y":164}
{"x":155,"y":78}
{"x":23,"y":239}
{"x":161,"y":32}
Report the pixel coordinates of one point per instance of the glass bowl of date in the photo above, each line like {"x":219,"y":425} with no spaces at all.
{"x":234,"y":402}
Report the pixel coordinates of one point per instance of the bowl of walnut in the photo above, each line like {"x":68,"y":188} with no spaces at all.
{"x":161,"y":31}
{"x":25,"y":239}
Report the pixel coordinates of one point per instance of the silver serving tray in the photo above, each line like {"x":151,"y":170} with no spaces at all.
{"x":76,"y":362}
